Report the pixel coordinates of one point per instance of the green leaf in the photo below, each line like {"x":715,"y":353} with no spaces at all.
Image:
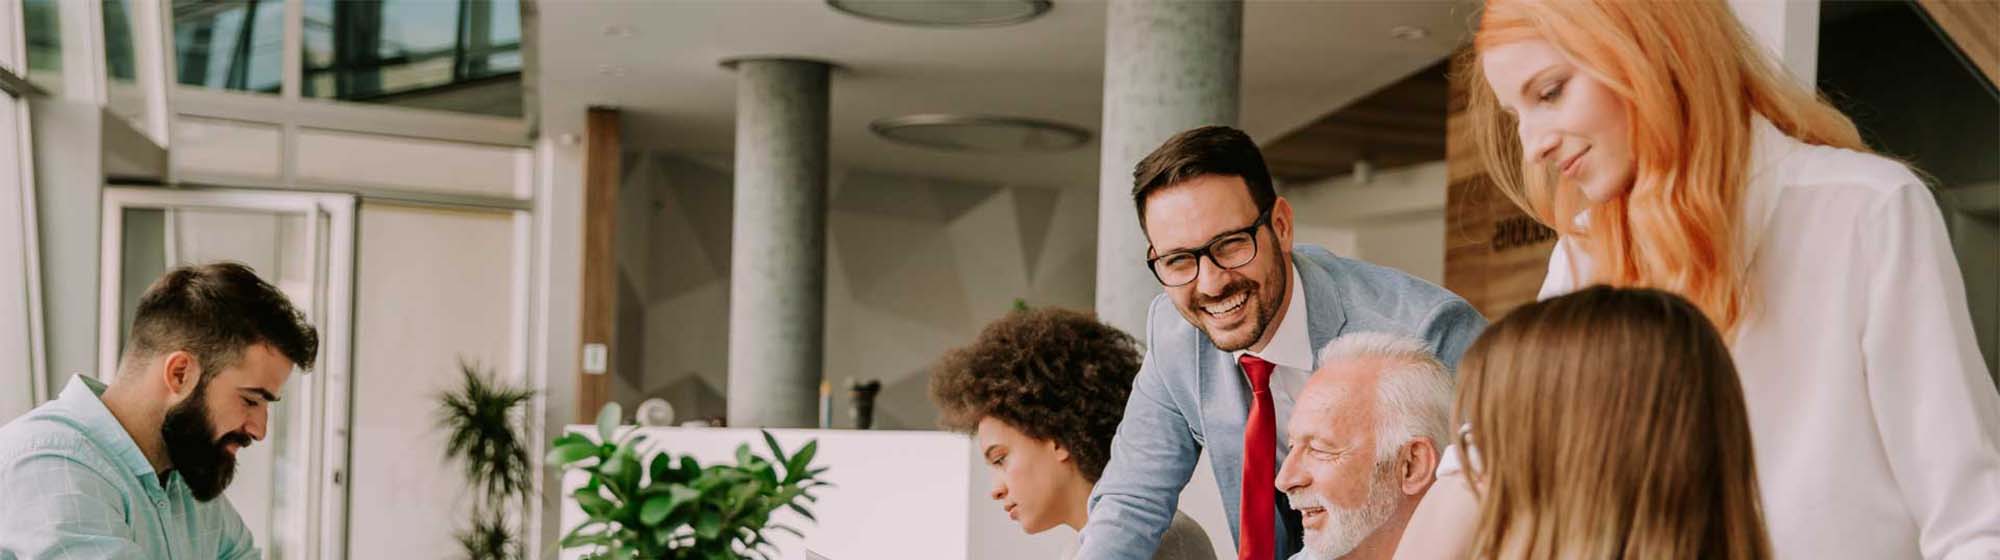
{"x":614,"y":468}
{"x":595,"y":505}
{"x":788,"y":529}
{"x":763,"y":472}
{"x":802,"y":511}
{"x":571,"y":452}
{"x":578,"y":532}
{"x":776,"y":452}
{"x":690,"y":469}
{"x":682,"y":495}
{"x":607,"y":421}
{"x":741,"y":497}
{"x":708,"y":524}
{"x":655,"y":510}
{"x":593,"y":539}
{"x":743,"y":455}
{"x":800,"y":461}
{"x":662,"y":469}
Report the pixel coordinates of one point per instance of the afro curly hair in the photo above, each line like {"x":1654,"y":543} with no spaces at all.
{"x":1054,"y":374}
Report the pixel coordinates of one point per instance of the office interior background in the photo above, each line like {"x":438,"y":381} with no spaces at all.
{"x":549,"y":190}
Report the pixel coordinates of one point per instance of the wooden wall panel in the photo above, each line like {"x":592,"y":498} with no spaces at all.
{"x":600,"y":266}
{"x":1973,"y":25}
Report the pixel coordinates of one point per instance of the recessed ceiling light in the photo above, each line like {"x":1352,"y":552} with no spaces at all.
{"x":1409,"y":33}
{"x":981,"y":133}
{"x":944,"y":13}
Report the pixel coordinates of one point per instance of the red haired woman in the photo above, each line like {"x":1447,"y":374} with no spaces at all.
{"x":1668,"y":152}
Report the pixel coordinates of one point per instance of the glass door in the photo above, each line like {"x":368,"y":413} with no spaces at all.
{"x":289,"y":488}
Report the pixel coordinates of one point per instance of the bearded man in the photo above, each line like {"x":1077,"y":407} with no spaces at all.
{"x":136,"y":468}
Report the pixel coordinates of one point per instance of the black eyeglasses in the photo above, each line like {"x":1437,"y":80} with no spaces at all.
{"x":1228,"y":251}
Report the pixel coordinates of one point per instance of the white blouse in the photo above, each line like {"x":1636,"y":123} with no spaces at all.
{"x":1876,"y":426}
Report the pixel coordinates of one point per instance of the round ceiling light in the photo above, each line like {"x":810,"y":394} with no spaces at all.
{"x":944,"y":13}
{"x":981,"y":133}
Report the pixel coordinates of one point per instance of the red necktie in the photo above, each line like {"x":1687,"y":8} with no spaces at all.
{"x":1260,"y":444}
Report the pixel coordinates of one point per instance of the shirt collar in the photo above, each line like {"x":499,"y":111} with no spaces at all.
{"x":84,"y":397}
{"x":1289,"y":347}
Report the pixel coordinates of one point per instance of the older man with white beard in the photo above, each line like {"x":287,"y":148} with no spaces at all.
{"x":1365,"y":438}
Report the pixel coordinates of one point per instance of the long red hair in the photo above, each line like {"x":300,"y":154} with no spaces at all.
{"x":1691,"y":80}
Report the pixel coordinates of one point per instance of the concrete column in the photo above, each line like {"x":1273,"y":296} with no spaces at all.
{"x":777,"y":276}
{"x":1787,"y":28}
{"x":1168,"y":66}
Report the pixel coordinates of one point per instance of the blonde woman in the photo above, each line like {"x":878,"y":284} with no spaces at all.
{"x":1668,"y":152}
{"x":1648,"y":454}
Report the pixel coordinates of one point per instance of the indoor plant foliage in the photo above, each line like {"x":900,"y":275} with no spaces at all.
{"x":675,"y":508}
{"x":482,"y":436}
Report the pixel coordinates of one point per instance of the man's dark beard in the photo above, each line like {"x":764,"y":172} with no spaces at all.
{"x":1267,"y":304}
{"x":202,"y":459}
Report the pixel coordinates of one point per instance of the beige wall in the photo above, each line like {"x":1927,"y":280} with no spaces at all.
{"x":432,"y":286}
{"x":915,"y":266}
{"x":1396,"y":219}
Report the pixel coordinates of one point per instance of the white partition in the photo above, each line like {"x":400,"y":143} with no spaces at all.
{"x":434,"y":286}
{"x":896,"y":494}
{"x":19,"y":310}
{"x":343,"y":158}
{"x":205,"y":147}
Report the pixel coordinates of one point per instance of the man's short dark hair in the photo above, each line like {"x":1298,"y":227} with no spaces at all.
{"x":1054,"y":374}
{"x":215,"y":311}
{"x":1209,"y":150}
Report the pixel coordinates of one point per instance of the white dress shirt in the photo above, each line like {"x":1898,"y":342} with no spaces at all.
{"x":1876,"y":426}
{"x":1291,"y":352}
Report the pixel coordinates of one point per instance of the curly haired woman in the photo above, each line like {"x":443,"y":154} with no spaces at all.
{"x":1042,"y":390}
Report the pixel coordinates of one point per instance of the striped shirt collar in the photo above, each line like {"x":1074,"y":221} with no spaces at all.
{"x":83,"y":396}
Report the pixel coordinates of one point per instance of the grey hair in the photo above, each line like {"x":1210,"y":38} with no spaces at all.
{"x":1415,"y":391}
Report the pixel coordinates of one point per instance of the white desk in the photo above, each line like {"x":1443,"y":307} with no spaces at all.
{"x":896,"y":495}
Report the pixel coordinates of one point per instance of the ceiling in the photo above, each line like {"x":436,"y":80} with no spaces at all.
{"x":1401,"y":124}
{"x":658,"y":62}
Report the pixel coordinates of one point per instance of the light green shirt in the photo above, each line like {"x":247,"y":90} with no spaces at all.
{"x":73,"y":485}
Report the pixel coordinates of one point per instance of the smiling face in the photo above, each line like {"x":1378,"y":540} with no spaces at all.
{"x":1236,"y":307}
{"x":1343,"y":489}
{"x":223,"y":414}
{"x":1571,"y":126}
{"x":1034,"y":480}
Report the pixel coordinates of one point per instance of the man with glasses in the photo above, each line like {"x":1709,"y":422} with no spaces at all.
{"x":1223,"y":375}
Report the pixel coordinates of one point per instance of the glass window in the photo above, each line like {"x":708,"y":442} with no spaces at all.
{"x":230,"y":44}
{"x":124,"y":96}
{"x":118,"y":56}
{"x":457,"y":56}
{"x":44,"y":33}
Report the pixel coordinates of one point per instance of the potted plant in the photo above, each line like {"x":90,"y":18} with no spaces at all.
{"x":642,"y":504}
{"x":482,"y":436}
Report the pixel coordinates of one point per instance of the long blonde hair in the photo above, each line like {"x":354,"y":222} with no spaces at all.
{"x":1691,"y":79}
{"x":1608,"y":423}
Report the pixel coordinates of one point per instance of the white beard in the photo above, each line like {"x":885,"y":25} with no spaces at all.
{"x":1345,"y":528}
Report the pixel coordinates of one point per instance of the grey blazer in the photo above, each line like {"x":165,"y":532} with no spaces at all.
{"x":1190,"y":395}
